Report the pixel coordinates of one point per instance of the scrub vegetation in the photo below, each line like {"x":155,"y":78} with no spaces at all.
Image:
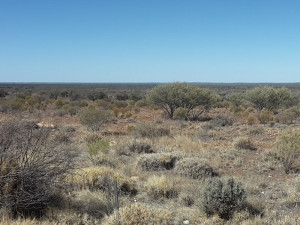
{"x":177,"y":153}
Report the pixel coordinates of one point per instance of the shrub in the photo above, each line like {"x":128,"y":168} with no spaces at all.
{"x":120,"y":104}
{"x":193,"y":168}
{"x":181,"y":95}
{"x":265,"y":116}
{"x":142,"y":103}
{"x":251,"y":119}
{"x":287,"y":116}
{"x":94,"y":118}
{"x":219,"y":121}
{"x":160,"y":187}
{"x":139,"y":213}
{"x":222,"y":197}
{"x":149,"y":130}
{"x":244,"y":143}
{"x":180,"y":114}
{"x":95,"y":95}
{"x":157,"y":161}
{"x":269,"y":97}
{"x":32,"y":167}
{"x":186,"y":199}
{"x":140,"y":147}
{"x":98,"y":146}
{"x":288,"y":149}
{"x":122,"y":96}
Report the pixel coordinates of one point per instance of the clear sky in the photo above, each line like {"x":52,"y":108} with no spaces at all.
{"x":149,"y":40}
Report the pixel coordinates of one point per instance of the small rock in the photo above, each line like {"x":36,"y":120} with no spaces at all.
{"x":186,"y":222}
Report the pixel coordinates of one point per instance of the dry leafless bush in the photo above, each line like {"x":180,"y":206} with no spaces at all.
{"x":32,"y":167}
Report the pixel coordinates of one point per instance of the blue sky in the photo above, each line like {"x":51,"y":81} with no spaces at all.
{"x":149,"y":41}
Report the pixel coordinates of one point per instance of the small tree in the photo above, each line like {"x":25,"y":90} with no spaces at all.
{"x":269,"y":97}
{"x":94,"y":118}
{"x":181,"y":95}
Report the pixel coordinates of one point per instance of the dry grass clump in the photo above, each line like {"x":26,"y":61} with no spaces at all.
{"x":244,"y":143}
{"x":256,"y":131}
{"x":95,"y":178}
{"x":150,"y":131}
{"x":157,"y":161}
{"x":160,"y":187}
{"x":193,"y":168}
{"x":139,"y":213}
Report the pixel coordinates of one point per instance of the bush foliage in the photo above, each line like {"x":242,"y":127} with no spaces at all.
{"x":222,"y":197}
{"x":181,"y":95}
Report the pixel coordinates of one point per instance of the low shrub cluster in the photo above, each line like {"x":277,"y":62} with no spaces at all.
{"x":140,"y":147}
{"x":157,"y":161}
{"x":193,"y":168}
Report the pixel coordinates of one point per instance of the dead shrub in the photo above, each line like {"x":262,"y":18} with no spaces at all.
{"x":32,"y":167}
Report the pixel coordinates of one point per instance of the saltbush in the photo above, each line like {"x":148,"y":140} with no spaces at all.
{"x":222,"y":197}
{"x":193,"y":168}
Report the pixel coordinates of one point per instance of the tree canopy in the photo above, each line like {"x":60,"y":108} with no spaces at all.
{"x":181,"y":95}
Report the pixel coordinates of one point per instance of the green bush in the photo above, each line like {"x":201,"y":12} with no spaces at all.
{"x":180,"y":114}
{"x":269,"y":97}
{"x":98,"y":146}
{"x":288,"y":149}
{"x":142,"y":103}
{"x":181,"y":95}
{"x":193,"y":168}
{"x":94,"y":118}
{"x":265,"y":116}
{"x":222,"y":197}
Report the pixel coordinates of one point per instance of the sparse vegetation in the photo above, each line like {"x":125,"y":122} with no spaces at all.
{"x":158,"y":163}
